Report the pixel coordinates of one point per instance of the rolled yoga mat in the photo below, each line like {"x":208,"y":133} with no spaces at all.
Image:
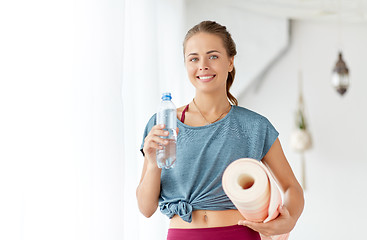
{"x":252,"y":189}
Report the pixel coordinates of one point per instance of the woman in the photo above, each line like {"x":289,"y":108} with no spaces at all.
{"x":212,"y":133}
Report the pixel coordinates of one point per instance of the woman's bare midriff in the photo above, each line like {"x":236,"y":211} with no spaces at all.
{"x":208,"y":219}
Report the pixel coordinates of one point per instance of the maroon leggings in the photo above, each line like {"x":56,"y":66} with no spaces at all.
{"x":235,"y":232}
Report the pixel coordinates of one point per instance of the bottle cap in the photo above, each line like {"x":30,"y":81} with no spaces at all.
{"x":166,"y":96}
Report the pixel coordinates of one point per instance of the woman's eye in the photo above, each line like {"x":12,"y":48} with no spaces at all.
{"x":213,"y":57}
{"x":193,"y":59}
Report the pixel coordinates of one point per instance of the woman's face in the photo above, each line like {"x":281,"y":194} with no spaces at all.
{"x":207,"y":62}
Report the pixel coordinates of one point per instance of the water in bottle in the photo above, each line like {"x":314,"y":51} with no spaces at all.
{"x":167,"y":115}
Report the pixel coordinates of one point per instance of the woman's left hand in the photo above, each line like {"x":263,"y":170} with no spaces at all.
{"x":284,"y":223}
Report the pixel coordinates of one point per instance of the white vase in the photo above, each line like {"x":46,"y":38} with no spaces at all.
{"x":301,"y":140}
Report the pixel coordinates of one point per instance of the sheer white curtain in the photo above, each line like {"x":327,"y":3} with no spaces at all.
{"x":61,"y":120}
{"x":68,"y":170}
{"x":152,"y":63}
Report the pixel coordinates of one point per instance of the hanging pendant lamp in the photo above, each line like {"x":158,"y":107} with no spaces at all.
{"x":340,"y":76}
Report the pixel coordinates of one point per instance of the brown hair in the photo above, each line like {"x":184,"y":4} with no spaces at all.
{"x":230,"y":46}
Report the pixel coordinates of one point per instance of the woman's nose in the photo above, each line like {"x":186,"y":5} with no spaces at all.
{"x":204,"y":66}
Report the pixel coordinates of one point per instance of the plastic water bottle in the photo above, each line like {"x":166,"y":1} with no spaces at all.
{"x":167,"y":115}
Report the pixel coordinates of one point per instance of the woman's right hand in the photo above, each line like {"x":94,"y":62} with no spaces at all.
{"x":153,"y":142}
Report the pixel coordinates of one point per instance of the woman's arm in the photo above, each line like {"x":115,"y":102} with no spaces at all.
{"x":277,"y":163}
{"x":147,"y":193}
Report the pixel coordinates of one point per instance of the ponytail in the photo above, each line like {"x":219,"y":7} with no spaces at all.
{"x":230,"y":79}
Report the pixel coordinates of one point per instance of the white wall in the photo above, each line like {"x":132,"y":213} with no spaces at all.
{"x":335,"y":194}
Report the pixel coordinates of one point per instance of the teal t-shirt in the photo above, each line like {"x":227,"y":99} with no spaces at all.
{"x":203,"y":153}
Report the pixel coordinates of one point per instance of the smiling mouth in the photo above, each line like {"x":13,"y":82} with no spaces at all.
{"x":205,"y":78}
